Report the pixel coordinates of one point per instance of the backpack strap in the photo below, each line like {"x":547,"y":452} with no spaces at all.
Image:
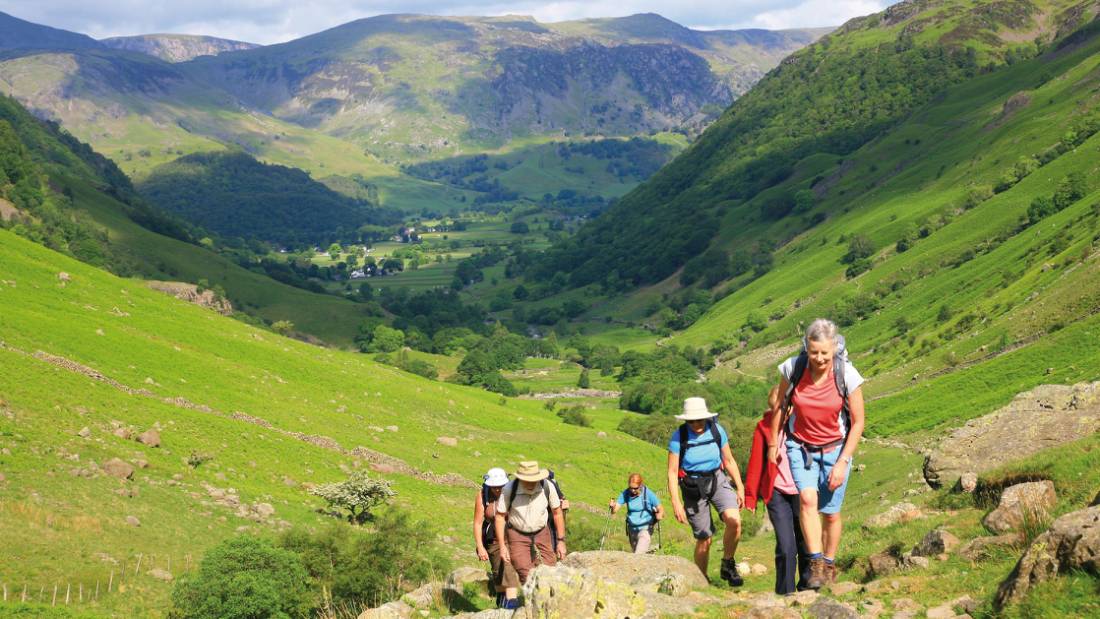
{"x":715,"y":437}
{"x":512,"y":492}
{"x":842,"y":389}
{"x":683,"y":444}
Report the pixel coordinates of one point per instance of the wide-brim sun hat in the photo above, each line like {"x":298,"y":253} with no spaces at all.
{"x":495,"y":477}
{"x":529,"y":471}
{"x":695,"y":409}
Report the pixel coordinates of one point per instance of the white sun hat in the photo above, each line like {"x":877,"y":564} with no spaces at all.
{"x":695,"y":409}
{"x":495,"y":477}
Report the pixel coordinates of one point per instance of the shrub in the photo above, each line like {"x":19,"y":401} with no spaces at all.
{"x":574,"y":416}
{"x":358,"y":495}
{"x":386,"y":339}
{"x":583,"y":382}
{"x":243,"y":577}
{"x":859,"y":247}
{"x":282,"y":327}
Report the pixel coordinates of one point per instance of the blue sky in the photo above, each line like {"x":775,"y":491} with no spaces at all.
{"x":274,"y":21}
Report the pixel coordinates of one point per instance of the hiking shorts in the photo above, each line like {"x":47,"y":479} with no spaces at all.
{"x":504,"y":575}
{"x":640,"y":539}
{"x":723,"y":498}
{"x":815,"y":475}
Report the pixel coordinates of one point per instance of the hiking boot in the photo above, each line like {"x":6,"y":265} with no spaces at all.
{"x":729,"y":573}
{"x":831,"y":572}
{"x":818,"y":574}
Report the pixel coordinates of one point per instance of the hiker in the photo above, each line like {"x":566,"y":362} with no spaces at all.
{"x":822,"y":412}
{"x":643,"y":512}
{"x":773,"y":484}
{"x":701,"y":465}
{"x":504,"y":580}
{"x":526,"y":506}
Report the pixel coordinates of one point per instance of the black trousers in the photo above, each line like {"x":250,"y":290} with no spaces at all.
{"x":790,"y":548}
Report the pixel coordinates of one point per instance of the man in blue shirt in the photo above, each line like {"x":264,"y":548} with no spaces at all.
{"x":702,"y":468}
{"x":643,"y":511}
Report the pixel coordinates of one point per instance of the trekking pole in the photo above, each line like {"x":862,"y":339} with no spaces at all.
{"x":658,"y":535}
{"x":606,"y":529}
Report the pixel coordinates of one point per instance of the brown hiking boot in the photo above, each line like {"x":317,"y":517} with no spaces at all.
{"x":831,"y":572}
{"x":818,"y":574}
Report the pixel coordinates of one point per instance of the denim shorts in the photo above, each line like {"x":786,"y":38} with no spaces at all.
{"x":816,"y":475}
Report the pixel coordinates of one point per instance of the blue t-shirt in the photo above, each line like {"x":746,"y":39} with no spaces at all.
{"x":636,"y":515}
{"x":702,"y":458}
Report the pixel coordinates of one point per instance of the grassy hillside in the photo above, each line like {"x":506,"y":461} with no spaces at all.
{"x":221,"y":388}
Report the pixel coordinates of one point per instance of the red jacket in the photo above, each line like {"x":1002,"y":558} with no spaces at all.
{"x":760,"y":474}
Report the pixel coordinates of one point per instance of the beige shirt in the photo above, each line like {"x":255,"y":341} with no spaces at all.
{"x":529,"y":512}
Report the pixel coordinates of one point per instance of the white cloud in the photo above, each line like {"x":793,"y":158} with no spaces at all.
{"x":273,"y":21}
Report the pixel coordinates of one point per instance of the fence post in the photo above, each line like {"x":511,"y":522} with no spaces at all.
{"x":97,"y":589}
{"x":24,"y":600}
{"x":81,"y":598}
{"x":110,"y":581}
{"x":68,"y":588}
{"x":54,"y":602}
{"x":137,"y":568}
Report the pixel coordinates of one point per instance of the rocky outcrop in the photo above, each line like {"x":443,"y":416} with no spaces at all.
{"x":897,"y":514}
{"x":562,"y":591}
{"x":977,"y":548}
{"x":1071,"y":543}
{"x":1022,"y":504}
{"x":655,"y":573}
{"x":1044,"y":417}
{"x":176,"y":47}
{"x":190,"y":293}
{"x":118,"y":468}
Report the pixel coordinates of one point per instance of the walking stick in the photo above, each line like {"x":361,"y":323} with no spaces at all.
{"x":658,"y":535}
{"x":606,"y":529}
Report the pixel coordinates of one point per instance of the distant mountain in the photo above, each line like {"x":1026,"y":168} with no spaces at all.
{"x":16,"y":33}
{"x":413,"y":86}
{"x":176,"y":47}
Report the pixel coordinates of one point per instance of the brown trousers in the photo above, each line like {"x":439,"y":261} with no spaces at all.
{"x":523,"y":548}
{"x":504,"y":575}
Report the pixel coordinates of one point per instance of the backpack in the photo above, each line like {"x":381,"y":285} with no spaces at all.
{"x":801,"y":362}
{"x":645,"y":505}
{"x":488,"y":528}
{"x":715,"y":437}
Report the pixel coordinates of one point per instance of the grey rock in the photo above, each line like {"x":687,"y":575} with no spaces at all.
{"x":263,"y":510}
{"x":968,"y":482}
{"x":85,"y":432}
{"x":447,"y":440}
{"x":493,"y":613}
{"x":1071,"y":543}
{"x":459,"y":578}
{"x":915,"y":561}
{"x":844,"y":587}
{"x":149,"y":438}
{"x":423,"y":597}
{"x":1044,"y":417}
{"x":936,"y":543}
{"x":559,"y":591}
{"x":141,"y":463}
{"x":118,"y":468}
{"x":392,"y":610}
{"x":897,"y":514}
{"x":601,"y":434}
{"x":827,"y":608}
{"x":133,"y":521}
{"x":123,"y":433}
{"x":1022,"y":503}
{"x":161,"y":574}
{"x":976,"y":548}
{"x":881,"y":564}
{"x":644,"y":572}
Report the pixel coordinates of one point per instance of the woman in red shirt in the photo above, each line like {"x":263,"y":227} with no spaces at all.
{"x":820,"y":435}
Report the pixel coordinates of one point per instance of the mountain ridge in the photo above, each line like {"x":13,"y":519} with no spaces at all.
{"x":176,"y":47}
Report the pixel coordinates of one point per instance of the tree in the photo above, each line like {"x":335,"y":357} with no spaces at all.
{"x":583,"y":382}
{"x":242,"y":578}
{"x":859,"y":247}
{"x":520,"y":227}
{"x":386,"y":339}
{"x":358,"y":495}
{"x":282,"y":327}
{"x":335,"y":250}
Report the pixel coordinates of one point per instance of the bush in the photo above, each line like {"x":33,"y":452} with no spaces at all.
{"x":358,"y":495}
{"x":243,"y":577}
{"x":583,"y":382}
{"x":859,"y":247}
{"x":574,"y":416}
{"x":386,"y":339}
{"x":368,"y":567}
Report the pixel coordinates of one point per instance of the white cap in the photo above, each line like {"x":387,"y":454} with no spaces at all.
{"x":694,"y":409}
{"x":495,"y":477}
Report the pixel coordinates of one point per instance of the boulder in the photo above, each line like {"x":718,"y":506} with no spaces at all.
{"x":882,"y":563}
{"x":133,"y":521}
{"x":827,"y":608}
{"x":85,"y":432}
{"x":423,"y":597}
{"x":559,"y":591}
{"x":1020,"y":504}
{"x":645,"y":572}
{"x":1071,"y":543}
{"x":149,"y":438}
{"x":844,"y":587}
{"x":160,"y":574}
{"x":447,"y":440}
{"x":458,"y":579}
{"x":935,"y":543}
{"x":118,"y":468}
{"x":392,"y":610}
{"x":263,"y":510}
{"x":909,"y":560}
{"x":897,"y":514}
{"x":141,"y":463}
{"x":1044,"y":417}
{"x":975,"y":549}
{"x":123,"y":433}
{"x":968,"y":482}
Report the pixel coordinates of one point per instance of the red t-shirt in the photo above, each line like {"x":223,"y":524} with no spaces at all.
{"x":817,"y":410}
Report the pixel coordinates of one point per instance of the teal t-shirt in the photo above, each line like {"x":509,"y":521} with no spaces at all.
{"x":703,"y":455}
{"x":636,"y":515}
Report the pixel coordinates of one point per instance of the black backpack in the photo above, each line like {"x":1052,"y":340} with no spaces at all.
{"x":715,"y":438}
{"x":801,"y":363}
{"x":488,"y":528}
